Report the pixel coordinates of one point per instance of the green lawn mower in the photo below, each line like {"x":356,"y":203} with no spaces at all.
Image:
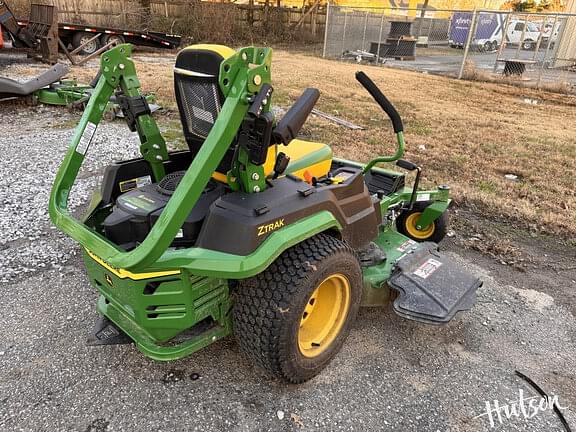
{"x":75,"y":96}
{"x":251,"y":231}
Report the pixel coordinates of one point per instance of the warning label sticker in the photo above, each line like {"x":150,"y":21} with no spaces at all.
{"x":134,"y":183}
{"x":426,"y":269}
{"x":406,"y":245}
{"x":86,"y":138}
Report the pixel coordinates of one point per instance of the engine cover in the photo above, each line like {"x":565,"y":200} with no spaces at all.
{"x":135,"y":213}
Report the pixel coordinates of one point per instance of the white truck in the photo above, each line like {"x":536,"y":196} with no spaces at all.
{"x":490,"y":28}
{"x":524,"y":33}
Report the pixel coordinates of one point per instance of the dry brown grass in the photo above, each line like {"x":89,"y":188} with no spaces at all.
{"x":463,"y":133}
{"x":472,"y":73}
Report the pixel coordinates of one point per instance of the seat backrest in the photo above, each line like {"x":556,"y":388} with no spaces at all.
{"x":198,"y":94}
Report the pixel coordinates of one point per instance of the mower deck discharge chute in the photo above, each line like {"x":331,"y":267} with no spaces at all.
{"x":250,"y":231}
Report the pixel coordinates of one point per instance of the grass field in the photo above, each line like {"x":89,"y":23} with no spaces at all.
{"x":465,"y":134}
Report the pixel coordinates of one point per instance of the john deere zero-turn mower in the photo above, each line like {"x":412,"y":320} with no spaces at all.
{"x":251,"y":231}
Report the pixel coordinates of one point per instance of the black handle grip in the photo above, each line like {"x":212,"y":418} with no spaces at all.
{"x":379,"y":97}
{"x":287,"y":129}
{"x":407,"y":165}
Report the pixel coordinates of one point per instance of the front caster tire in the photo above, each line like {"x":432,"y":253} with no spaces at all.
{"x":293,"y":318}
{"x":407,"y":220}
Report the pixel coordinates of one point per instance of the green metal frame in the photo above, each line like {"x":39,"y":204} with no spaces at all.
{"x":154,"y":307}
{"x":239,"y":83}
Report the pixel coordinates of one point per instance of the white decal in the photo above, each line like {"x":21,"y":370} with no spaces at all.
{"x":86,"y":138}
{"x":426,"y":269}
{"x":405,"y":246}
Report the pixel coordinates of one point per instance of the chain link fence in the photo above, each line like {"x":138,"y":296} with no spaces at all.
{"x":534,"y":49}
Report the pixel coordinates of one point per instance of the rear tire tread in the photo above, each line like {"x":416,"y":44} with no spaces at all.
{"x":263,"y":306}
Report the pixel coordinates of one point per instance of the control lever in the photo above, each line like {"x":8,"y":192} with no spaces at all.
{"x":410,"y":166}
{"x":281,"y":164}
{"x":288,"y":127}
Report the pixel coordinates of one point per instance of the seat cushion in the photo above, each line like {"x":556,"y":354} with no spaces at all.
{"x":314,"y":157}
{"x":305,"y":156}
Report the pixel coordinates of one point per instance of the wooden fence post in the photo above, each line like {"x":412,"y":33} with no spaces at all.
{"x":251,"y":13}
{"x":76,"y":10}
{"x":147,"y":12}
{"x":266,"y":16}
{"x":313,"y":23}
{"x":123,"y":15}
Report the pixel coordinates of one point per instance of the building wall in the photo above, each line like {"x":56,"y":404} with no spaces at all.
{"x":566,"y":53}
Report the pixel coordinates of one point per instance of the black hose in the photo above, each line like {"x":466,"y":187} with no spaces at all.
{"x":384,"y":103}
{"x":544,"y":395}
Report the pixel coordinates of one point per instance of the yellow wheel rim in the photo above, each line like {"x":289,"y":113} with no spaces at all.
{"x":420,"y":234}
{"x":324,"y":315}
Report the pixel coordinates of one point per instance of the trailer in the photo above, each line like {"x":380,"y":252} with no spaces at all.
{"x":91,"y":37}
{"x":43,"y":30}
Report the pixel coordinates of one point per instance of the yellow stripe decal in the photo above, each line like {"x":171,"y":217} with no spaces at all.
{"x":123,"y":274}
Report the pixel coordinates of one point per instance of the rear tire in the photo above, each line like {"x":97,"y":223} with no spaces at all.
{"x":116,"y":39}
{"x":83,"y":37}
{"x":293,"y":318}
{"x":435,"y":232}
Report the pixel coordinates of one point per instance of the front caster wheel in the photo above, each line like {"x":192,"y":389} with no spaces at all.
{"x":406,"y":224}
{"x":293,"y":318}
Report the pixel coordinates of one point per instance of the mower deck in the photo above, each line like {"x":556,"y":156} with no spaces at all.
{"x":431,"y":287}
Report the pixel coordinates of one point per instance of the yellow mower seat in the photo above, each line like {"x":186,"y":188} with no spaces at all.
{"x":307,"y":159}
{"x":200,"y":100}
{"x":314,"y":157}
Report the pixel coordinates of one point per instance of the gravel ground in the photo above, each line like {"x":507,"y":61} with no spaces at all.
{"x":392,"y":374}
{"x":32,"y":151}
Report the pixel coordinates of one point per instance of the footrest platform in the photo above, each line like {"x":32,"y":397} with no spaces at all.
{"x":432,"y":288}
